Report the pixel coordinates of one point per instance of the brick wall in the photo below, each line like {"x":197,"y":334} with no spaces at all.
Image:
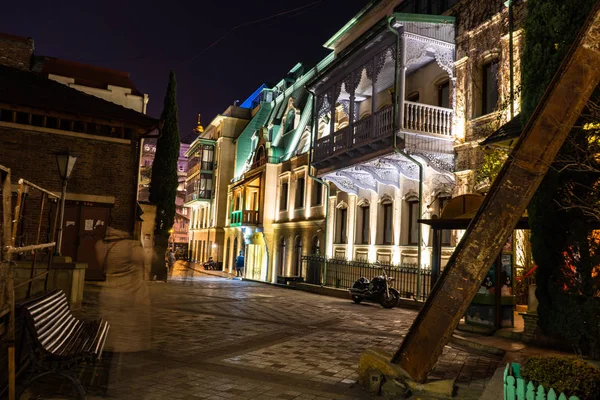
{"x":15,"y":51}
{"x":102,"y":168}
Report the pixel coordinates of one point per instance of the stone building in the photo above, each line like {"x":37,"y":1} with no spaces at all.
{"x":40,"y":117}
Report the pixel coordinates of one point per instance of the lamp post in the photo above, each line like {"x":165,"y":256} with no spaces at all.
{"x":65,"y":161}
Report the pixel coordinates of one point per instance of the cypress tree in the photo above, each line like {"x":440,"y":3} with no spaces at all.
{"x":560,"y":234}
{"x":164,"y":182}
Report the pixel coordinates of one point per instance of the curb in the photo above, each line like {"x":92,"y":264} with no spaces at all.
{"x":472,"y":345}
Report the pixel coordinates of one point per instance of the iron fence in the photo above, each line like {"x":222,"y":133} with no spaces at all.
{"x":342,"y":274}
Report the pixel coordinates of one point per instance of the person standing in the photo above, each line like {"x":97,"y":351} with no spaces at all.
{"x":239,"y":264}
{"x":170,"y":262}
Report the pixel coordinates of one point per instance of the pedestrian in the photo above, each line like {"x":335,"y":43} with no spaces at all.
{"x":123,"y":300}
{"x":239,"y":264}
{"x":210,"y":264}
{"x":170,"y":258}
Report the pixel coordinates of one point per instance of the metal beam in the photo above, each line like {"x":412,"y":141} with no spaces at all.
{"x":508,"y":198}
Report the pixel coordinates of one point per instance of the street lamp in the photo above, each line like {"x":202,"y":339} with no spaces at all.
{"x":65,"y":161}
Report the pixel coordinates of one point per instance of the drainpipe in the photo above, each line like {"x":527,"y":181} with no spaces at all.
{"x":399,"y":91}
{"x":316,"y":178}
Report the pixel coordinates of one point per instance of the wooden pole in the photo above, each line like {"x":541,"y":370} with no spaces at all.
{"x":502,"y":208}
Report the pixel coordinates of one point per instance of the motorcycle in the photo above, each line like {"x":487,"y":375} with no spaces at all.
{"x":378,"y":289}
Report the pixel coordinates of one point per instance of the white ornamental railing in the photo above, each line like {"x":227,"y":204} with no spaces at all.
{"x":427,"y":119}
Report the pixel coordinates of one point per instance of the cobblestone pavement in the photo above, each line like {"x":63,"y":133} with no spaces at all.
{"x":218,"y":338}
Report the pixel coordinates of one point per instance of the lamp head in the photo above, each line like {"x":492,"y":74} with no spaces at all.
{"x":66,"y":162}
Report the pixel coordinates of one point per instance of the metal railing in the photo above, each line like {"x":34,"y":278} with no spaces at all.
{"x":246,"y":217}
{"x":342,"y":274}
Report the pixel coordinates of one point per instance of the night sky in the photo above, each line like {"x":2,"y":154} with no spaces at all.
{"x":147,"y":40}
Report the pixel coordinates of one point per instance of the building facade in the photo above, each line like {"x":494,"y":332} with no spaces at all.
{"x":40,"y":117}
{"x":276,"y":209}
{"x":211,"y":167}
{"x":400,"y":113}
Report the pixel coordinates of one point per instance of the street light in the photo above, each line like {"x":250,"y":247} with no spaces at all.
{"x":65,"y":161}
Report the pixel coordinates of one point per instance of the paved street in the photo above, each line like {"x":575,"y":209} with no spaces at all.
{"x":217,"y":338}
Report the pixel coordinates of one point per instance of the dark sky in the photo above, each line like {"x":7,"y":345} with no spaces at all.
{"x":148,"y":38}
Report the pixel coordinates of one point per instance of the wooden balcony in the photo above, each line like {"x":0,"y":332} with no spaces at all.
{"x":246,"y":217}
{"x":374,"y":133}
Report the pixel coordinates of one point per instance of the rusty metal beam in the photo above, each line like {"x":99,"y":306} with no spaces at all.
{"x":508,"y":198}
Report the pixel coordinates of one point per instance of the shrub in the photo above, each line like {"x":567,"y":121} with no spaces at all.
{"x":572,"y":376}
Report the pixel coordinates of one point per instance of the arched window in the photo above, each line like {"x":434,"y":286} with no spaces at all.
{"x":316,"y":245}
{"x":290,"y":120}
{"x":280,"y":267}
{"x":297,"y":256}
{"x":259,"y":158}
{"x":342,"y":224}
{"x":387,"y":211}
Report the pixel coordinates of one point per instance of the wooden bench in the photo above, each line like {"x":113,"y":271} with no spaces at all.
{"x":57,"y":341}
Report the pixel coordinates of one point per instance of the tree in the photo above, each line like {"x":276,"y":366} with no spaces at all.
{"x":163,"y":186}
{"x":564,"y":244}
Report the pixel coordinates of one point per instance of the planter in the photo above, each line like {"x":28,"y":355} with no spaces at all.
{"x":515,"y":387}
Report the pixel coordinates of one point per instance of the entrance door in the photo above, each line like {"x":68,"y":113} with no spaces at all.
{"x":92,"y":227}
{"x":70,"y":232}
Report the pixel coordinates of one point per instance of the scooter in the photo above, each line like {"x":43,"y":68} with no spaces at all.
{"x":378,"y":289}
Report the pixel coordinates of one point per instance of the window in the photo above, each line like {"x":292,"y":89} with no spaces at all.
{"x":414,"y":97}
{"x":283,"y":196}
{"x":364,"y":232}
{"x":298,"y":256}
{"x":413,"y":225}
{"x":444,"y":95}
{"x":387,"y":223}
{"x":317,"y":194}
{"x":300,"y":192}
{"x":208,"y":152}
{"x":342,"y":224}
{"x":290,"y":120}
{"x":205,"y":186}
{"x":489,"y":92}
{"x":446,"y":233}
{"x":281,"y":257}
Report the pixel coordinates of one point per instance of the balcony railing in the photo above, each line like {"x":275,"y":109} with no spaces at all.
{"x":199,"y":195}
{"x":428,"y":119}
{"x":246,"y":217}
{"x":201,"y":165}
{"x":421,"y":118}
{"x":264,"y":160}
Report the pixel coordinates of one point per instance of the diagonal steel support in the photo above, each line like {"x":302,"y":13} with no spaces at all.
{"x":508,"y":198}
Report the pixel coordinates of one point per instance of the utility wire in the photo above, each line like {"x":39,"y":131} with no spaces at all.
{"x":255,"y":22}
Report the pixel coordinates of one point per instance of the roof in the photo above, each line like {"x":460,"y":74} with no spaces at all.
{"x":506,"y":133}
{"x":85,"y":74}
{"x":23,"y":88}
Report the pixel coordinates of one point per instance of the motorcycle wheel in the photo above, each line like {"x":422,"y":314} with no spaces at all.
{"x":390,"y":301}
{"x":357,"y":299}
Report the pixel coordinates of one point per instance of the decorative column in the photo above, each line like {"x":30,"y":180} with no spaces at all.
{"x":351,"y":226}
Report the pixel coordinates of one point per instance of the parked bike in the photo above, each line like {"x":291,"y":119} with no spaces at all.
{"x":378,"y":289}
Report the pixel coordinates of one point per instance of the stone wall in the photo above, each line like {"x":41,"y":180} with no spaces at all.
{"x":15,"y":51}
{"x":103,"y":168}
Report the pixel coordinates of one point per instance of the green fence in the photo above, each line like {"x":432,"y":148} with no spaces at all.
{"x":515,"y":387}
